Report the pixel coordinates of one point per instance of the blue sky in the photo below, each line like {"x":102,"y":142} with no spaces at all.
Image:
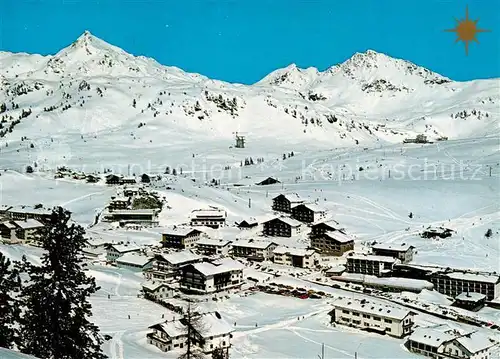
{"x":243,"y":40}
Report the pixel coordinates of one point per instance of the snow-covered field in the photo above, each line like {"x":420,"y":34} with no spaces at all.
{"x":458,"y":195}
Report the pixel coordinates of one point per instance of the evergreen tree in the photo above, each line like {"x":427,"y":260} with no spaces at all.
{"x":55,"y":322}
{"x":194,"y":324}
{"x":10,"y":284}
{"x":219,"y":353}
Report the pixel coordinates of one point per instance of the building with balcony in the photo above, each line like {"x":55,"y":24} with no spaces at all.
{"x":172,"y":334}
{"x":369,"y":264}
{"x":308,"y":212}
{"x":396,"y":322}
{"x":296,"y":257}
{"x":257,"y":250}
{"x":333,"y":243}
{"x":444,"y":342}
{"x":213,"y":217}
{"x":403,"y":252}
{"x":210,"y":246}
{"x":180,"y":237}
{"x":115,"y":251}
{"x":282,"y":227}
{"x":453,"y":282}
{"x":285,"y":202}
{"x":210,"y":277}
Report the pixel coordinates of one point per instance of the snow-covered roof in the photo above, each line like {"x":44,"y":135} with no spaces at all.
{"x":179,"y":231}
{"x":251,"y":243}
{"x":211,"y":324}
{"x":8,"y":224}
{"x":475,"y":342}
{"x":339,"y":236}
{"x":432,"y":336}
{"x":125,"y":212}
{"x":28,"y":224}
{"x":181,"y":257}
{"x":336,"y":269}
{"x":132,"y":188}
{"x":134,"y":258}
{"x":124,"y":248}
{"x":29,"y":209}
{"x":380,"y":310}
{"x":300,"y":252}
{"x":291,"y":197}
{"x":393,"y":247}
{"x":214,"y":325}
{"x":173,"y":328}
{"x":475,"y":277}
{"x":120,"y":199}
{"x":312,"y":206}
{"x":153,"y":286}
{"x":327,"y":220}
{"x":290,"y":221}
{"x":470,"y":296}
{"x":214,"y":212}
{"x":213,"y":242}
{"x":437,"y":335}
{"x":220,"y":266}
{"x":397,"y":282}
{"x":251,"y":220}
{"x":368,"y":257}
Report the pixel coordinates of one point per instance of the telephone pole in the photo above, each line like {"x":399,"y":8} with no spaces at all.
{"x":322,"y":356}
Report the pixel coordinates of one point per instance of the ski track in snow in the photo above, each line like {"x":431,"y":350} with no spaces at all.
{"x":85,"y":196}
{"x":116,"y":346}
{"x":343,"y":352}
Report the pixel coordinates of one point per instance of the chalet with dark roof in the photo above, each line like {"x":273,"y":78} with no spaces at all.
{"x":308,"y":212}
{"x":282,"y":227}
{"x":285,"y":202}
{"x":318,"y":229}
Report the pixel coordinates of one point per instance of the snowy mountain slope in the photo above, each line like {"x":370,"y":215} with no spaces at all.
{"x":11,"y":354}
{"x":92,"y":91}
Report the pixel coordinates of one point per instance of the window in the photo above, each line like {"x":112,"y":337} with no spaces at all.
{"x":388,"y":320}
{"x":376,"y":319}
{"x":345,"y":311}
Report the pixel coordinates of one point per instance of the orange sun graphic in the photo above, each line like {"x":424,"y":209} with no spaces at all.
{"x":466,"y":30}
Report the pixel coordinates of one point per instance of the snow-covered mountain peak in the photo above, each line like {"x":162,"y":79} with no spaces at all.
{"x":91,"y":44}
{"x":292,"y":77}
{"x":372,"y":65}
{"x":90,"y":55}
{"x":368,"y":98}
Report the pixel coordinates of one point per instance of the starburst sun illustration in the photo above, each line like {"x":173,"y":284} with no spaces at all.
{"x":467,"y":30}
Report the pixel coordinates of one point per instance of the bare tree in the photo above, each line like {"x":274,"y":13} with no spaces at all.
{"x":193,"y":322}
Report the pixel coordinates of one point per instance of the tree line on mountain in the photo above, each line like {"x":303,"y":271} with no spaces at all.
{"x":44,"y":309}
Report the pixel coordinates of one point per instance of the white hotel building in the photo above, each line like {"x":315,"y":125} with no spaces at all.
{"x":443,"y":342}
{"x":369,"y":316}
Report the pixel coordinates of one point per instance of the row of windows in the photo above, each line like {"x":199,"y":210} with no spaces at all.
{"x":357,"y":314}
{"x":358,"y":322}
